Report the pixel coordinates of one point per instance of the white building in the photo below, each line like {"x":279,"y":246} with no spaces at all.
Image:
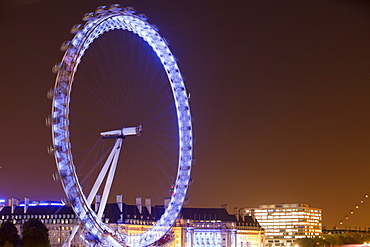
{"x":284,"y":223}
{"x":195,"y":227}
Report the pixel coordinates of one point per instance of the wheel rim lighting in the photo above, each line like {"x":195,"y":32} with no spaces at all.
{"x":103,"y":22}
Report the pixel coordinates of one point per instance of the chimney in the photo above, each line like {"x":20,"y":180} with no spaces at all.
{"x":236,"y":212}
{"x":139,"y":205}
{"x":148,"y":204}
{"x":251,"y":213}
{"x":26,"y":204}
{"x":166,"y":201}
{"x":226,"y":207}
{"x":242,"y":214}
{"x":119,"y":202}
{"x":14,"y":203}
{"x":97,"y":202}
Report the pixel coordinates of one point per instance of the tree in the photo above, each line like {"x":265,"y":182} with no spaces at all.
{"x":307,"y":242}
{"x":35,"y":234}
{"x":334,"y":239}
{"x":8,"y":234}
{"x":8,"y":244}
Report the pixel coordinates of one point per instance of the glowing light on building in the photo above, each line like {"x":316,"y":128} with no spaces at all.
{"x":284,"y":223}
{"x":42,"y":203}
{"x":195,"y":227}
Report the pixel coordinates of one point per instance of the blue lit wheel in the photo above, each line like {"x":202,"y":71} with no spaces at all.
{"x":103,"y":20}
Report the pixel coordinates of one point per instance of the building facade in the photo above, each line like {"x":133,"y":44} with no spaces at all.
{"x":195,"y":227}
{"x":57,"y":218}
{"x":284,"y":223}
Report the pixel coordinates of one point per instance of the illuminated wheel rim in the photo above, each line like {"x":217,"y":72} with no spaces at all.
{"x":104,"y":20}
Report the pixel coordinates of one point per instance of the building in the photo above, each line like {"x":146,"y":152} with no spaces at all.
{"x":284,"y":223}
{"x":58,"y":218}
{"x":195,"y":227}
{"x":216,"y":227}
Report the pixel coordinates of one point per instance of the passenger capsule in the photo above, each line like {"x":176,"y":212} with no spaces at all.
{"x":115,"y":7}
{"x":129,"y":10}
{"x":50,"y":150}
{"x":50,"y":93}
{"x":88,"y":16}
{"x":166,"y":42}
{"x":143,"y":17}
{"x":65,"y":46}
{"x":48,"y":121}
{"x":101,"y":9}
{"x":56,"y":68}
{"x":76,"y":28}
{"x":56,"y":176}
{"x":155,"y":28}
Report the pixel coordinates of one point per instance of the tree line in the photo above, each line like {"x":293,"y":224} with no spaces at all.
{"x":34,"y":234}
{"x":335,"y":239}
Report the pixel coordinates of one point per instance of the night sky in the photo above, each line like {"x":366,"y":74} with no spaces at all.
{"x":279,"y":97}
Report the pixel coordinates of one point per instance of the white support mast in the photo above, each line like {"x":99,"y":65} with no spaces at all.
{"x":111,"y":163}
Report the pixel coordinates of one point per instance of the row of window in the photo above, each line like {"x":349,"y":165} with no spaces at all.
{"x":291,"y":230}
{"x":59,"y":228}
{"x":288,"y":218}
{"x":38,"y":216}
{"x":45,"y":221}
{"x":283,"y":211}
{"x":288,"y":215}
{"x":265,"y":223}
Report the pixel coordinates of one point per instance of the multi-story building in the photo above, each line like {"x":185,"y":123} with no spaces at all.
{"x":58,"y":218}
{"x":194,"y":226}
{"x":284,"y":223}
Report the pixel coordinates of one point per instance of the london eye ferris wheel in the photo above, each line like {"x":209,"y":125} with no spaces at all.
{"x":128,"y":113}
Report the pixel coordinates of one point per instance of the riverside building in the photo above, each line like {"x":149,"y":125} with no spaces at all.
{"x":195,"y":227}
{"x":284,"y":223}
